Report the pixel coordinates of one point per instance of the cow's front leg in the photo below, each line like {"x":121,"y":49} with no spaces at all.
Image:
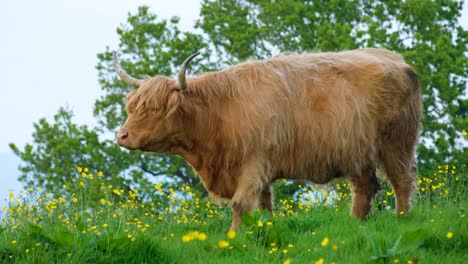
{"x":248,"y":192}
{"x":266,"y":199}
{"x":246,"y":204}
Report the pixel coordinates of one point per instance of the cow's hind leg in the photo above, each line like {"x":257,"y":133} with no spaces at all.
{"x":364,"y":187}
{"x":401,"y":172}
{"x":397,"y":153}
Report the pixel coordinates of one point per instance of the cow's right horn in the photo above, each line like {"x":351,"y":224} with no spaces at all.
{"x":123,"y":74}
{"x":182,"y":82}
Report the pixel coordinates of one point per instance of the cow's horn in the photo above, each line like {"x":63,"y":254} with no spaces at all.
{"x":123,"y":74}
{"x":182,"y":83}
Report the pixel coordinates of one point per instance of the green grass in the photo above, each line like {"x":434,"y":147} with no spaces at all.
{"x":120,"y":228}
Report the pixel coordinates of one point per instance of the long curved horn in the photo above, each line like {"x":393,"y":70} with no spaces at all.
{"x":182,"y":82}
{"x":123,"y":74}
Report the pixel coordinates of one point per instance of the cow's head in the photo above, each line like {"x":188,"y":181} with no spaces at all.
{"x":153,"y":110}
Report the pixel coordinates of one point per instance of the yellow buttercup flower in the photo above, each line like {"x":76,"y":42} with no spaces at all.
{"x":117,"y":192}
{"x":223,"y":244}
{"x":186,"y":238}
{"x":201,"y":236}
{"x":260,"y":223}
{"x":231,"y":234}
{"x":449,"y":235}
{"x":324,"y":242}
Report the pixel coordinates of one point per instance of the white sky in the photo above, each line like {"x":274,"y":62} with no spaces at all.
{"x":48,"y":56}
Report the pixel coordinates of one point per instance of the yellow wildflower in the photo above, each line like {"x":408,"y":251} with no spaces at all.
{"x":324,"y":242}
{"x":449,"y":235}
{"x":12,"y":195}
{"x":223,"y":244}
{"x":260,"y":223}
{"x":287,"y":261}
{"x":231,"y":234}
{"x":186,"y":238}
{"x":320,"y":261}
{"x":79,"y":169}
{"x":201,"y":236}
{"x":117,"y":192}
{"x":99,"y":174}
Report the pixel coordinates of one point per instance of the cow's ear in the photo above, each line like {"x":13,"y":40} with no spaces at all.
{"x":174,"y":103}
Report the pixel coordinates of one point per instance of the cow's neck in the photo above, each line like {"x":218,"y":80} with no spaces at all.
{"x":206,"y":150}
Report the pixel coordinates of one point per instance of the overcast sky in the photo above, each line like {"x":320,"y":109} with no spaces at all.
{"x":47,"y":60}
{"x":48,"y":56}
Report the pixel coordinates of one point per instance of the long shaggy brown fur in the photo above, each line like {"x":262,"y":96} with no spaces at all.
{"x":297,"y":116}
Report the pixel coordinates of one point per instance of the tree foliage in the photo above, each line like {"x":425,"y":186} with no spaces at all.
{"x":427,"y":34}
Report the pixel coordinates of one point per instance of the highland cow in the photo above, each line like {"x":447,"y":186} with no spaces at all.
{"x":310,"y":116}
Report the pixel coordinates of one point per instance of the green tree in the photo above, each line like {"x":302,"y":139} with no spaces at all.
{"x":425,"y":32}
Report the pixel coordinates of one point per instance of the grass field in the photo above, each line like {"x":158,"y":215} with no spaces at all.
{"x":181,"y":227}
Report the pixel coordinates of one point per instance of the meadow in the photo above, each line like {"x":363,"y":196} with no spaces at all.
{"x":101,"y":224}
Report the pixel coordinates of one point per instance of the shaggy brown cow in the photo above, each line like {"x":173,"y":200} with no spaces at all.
{"x":296,"y":116}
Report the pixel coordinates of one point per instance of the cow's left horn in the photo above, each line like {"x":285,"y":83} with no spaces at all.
{"x":182,"y":83}
{"x":123,"y":74}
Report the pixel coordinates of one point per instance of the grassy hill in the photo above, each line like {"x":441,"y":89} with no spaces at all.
{"x":182,"y":227}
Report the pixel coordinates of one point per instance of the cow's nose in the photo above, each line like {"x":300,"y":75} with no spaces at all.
{"x":122,"y":135}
